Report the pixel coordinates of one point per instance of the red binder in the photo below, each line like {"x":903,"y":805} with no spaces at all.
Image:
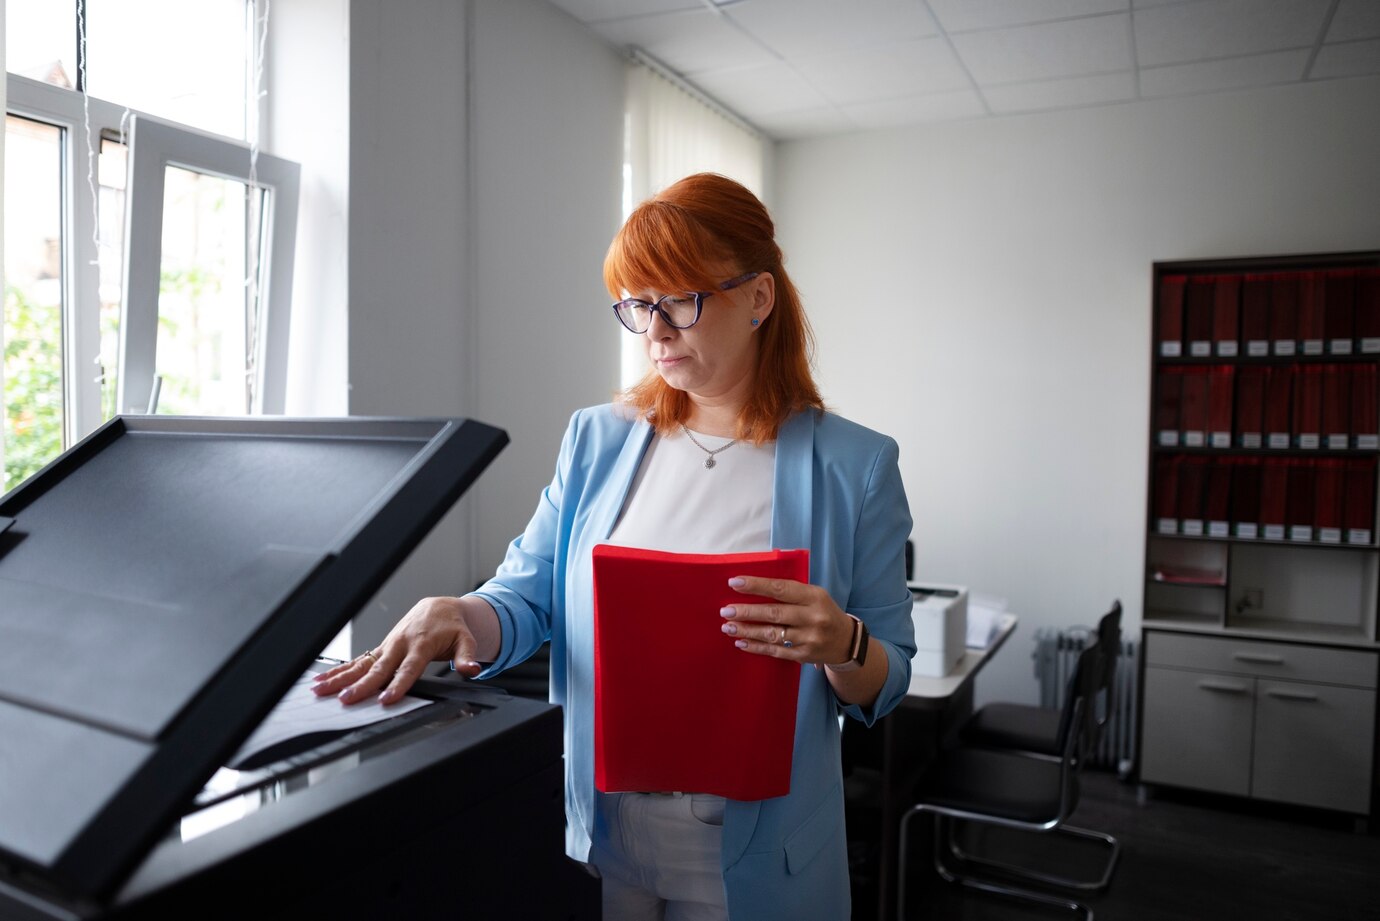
{"x":1339,"y":308}
{"x":1274,"y":493}
{"x":1193,"y":409}
{"x":1284,"y":312}
{"x":1245,"y":497}
{"x":676,"y":705}
{"x":1308,"y":388}
{"x":1358,"y":514}
{"x":1250,"y":406}
{"x":1217,"y":502}
{"x":1336,"y":406}
{"x":1255,"y":314}
{"x":1168,"y":394}
{"x":1302,"y":504}
{"x":1220,"y":382}
{"x":1310,"y":334}
{"x":1365,"y":408}
{"x":1226,"y":314}
{"x":1167,"y":495}
{"x":1328,"y":491}
{"x":1199,"y":304}
{"x":1366,"y":319}
{"x":1169,"y":319}
{"x":1192,"y":490}
{"x":1279,"y":389}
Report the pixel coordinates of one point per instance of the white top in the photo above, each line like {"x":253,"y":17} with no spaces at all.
{"x":679,"y":505}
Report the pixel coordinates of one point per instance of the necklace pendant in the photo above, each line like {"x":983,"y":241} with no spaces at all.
{"x":709,"y":463}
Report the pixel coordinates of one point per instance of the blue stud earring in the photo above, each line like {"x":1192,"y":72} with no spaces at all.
{"x":755,"y":321}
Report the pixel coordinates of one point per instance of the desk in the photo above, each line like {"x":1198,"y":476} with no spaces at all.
{"x":885,"y":762}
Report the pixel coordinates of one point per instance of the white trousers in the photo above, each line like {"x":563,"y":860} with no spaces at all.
{"x":659,"y":856}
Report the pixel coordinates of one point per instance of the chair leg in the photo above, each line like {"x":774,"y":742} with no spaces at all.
{"x":1048,"y":879}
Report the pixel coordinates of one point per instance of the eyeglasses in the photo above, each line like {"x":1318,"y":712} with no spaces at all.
{"x":679,"y":310}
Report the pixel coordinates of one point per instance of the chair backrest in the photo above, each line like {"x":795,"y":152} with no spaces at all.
{"x":1077,"y":719}
{"x":1109,"y":638}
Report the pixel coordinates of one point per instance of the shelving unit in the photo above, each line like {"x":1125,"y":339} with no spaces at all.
{"x":1262,"y":567}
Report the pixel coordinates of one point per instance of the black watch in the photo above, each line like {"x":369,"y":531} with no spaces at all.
{"x":858,"y":647}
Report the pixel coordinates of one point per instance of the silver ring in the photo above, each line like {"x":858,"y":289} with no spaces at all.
{"x":785,"y":642}
{"x":370,"y":654}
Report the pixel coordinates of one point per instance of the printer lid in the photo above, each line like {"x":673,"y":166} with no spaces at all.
{"x":163,"y":583}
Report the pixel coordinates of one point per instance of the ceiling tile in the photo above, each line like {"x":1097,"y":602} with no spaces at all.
{"x":1058,"y":49}
{"x":1063,"y":93}
{"x":907,"y":68}
{"x":787,"y":126}
{"x":915,"y":110}
{"x":1225,"y":28}
{"x":754,"y":91}
{"x":1348,"y":59}
{"x":964,"y":15}
{"x":1229,"y":73}
{"x":601,"y":10}
{"x":801,"y":29}
{"x":1355,"y":19}
{"x":688,"y":42}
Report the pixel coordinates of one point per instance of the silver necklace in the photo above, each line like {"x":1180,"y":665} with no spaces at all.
{"x":708,"y":461}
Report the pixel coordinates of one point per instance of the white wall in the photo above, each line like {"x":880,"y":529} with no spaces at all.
{"x":981,"y":291}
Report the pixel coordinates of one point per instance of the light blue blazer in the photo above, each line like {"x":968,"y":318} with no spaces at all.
{"x":838,"y":492}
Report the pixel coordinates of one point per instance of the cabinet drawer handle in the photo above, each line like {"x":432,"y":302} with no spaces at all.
{"x":1222,"y":686}
{"x":1258,"y":658}
{"x":1293,"y":695}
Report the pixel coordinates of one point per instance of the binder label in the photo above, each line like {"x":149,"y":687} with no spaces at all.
{"x":1341,"y":346}
{"x":1194,"y":439}
{"x":1358,"y":536}
{"x":1169,"y":438}
{"x":1227,"y":348}
{"x":1173,"y":348}
{"x":1330,"y":535}
{"x":1247,"y":529}
{"x":1279,"y":439}
{"x":1300,"y":532}
{"x":1258,"y":348}
{"x":1312,"y":346}
{"x":1250,"y":439}
{"x":1274,"y":532}
{"x":1218,"y":529}
{"x":1370,"y":344}
{"x":1167,"y":525}
{"x":1284,"y":346}
{"x":1221,"y":439}
{"x":1200,"y":349}
{"x":1337,"y":442}
{"x":1308,"y":441}
{"x":1368,"y":442}
{"x":1193,"y":527}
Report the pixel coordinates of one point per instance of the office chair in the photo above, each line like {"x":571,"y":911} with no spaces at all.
{"x":1038,"y":730}
{"x":1012,"y":790}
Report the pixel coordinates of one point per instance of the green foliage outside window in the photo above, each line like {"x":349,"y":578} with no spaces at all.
{"x":33,"y":386}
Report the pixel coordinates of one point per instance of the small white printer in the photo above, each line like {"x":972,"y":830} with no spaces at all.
{"x":941,"y":623}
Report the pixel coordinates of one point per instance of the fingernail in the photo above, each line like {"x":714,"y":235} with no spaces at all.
{"x":730,"y":629}
{"x":319,"y":676}
{"x":345,"y":696}
{"x":741,"y":644}
{"x":737,"y":582}
{"x":728,"y":612}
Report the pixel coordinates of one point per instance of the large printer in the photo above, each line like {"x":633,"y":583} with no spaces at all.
{"x":163,"y":585}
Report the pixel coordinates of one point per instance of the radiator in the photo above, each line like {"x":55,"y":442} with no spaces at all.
{"x":1056,"y":652}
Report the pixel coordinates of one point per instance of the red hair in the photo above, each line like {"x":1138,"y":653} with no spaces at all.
{"x":679,"y":240}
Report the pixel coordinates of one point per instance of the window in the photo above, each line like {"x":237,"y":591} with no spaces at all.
{"x":77,"y":348}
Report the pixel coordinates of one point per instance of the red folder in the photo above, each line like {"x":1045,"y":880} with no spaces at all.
{"x":1302,"y":503}
{"x":1168,"y":394}
{"x":1365,"y":408}
{"x":1193,"y":410}
{"x":1226,"y":314}
{"x":1192,"y":490}
{"x":1336,"y":406}
{"x":676,"y":705}
{"x":1199,"y":303}
{"x":1328,"y":492}
{"x":1308,"y":391}
{"x":1217,"y":502}
{"x":1339,"y":308}
{"x":1366,"y":320}
{"x":1219,"y":407}
{"x":1250,"y":406}
{"x":1310,"y":334}
{"x":1167,"y":495}
{"x":1358,"y":514}
{"x":1274,"y":493}
{"x":1284,"y":311}
{"x":1169,"y":315}
{"x":1278,"y":402}
{"x":1245,"y":496}
{"x":1255,"y":314}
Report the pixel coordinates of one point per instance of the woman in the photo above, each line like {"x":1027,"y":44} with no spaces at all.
{"x":723,"y":447}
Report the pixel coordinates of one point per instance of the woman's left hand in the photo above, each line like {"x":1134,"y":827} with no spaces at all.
{"x":802,"y":622}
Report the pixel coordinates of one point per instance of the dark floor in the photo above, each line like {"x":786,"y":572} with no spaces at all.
{"x":1195,"y":857}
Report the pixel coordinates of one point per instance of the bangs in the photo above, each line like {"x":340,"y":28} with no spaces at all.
{"x":662,"y":248}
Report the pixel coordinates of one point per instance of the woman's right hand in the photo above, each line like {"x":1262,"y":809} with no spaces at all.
{"x":435,"y":629}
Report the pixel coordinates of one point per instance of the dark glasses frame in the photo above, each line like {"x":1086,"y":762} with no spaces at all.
{"x":655,"y":306}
